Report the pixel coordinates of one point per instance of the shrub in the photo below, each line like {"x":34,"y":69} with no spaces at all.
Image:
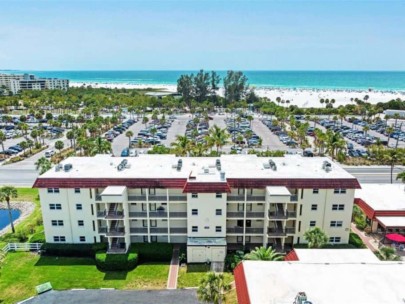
{"x":21,"y":236}
{"x":233,"y":259}
{"x":153,"y":252}
{"x":38,"y":237}
{"x":356,"y":241}
{"x":73,"y":250}
{"x":116,"y":262}
{"x":360,"y":222}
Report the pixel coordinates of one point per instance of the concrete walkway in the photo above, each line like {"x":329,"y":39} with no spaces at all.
{"x":369,"y":241}
{"x":174,"y":269}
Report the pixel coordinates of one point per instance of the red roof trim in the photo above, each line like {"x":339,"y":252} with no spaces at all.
{"x":291,"y":256}
{"x":372,"y":214}
{"x":347,"y":183}
{"x":196,"y":187}
{"x":241,"y":285}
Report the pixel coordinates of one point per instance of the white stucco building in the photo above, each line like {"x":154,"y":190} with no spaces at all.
{"x":18,"y":82}
{"x":210,"y":204}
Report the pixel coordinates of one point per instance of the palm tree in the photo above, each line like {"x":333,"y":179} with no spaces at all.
{"x":70,"y":135}
{"x":219,"y":136}
{"x":212,"y":288}
{"x":401,"y":176}
{"x":43,"y":164}
{"x":2,"y":139}
{"x":387,"y":254}
{"x":59,"y":145}
{"x":315,"y":237}
{"x":145,"y":120}
{"x":264,"y":254}
{"x":181,"y":146}
{"x":366,"y":129}
{"x":334,"y":143}
{"x":396,"y":116}
{"x":392,"y":157}
{"x":100,"y":146}
{"x":129,"y":134}
{"x":389,"y":131}
{"x":250,"y":119}
{"x":6,"y":193}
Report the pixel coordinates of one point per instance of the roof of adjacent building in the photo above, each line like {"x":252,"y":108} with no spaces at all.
{"x":239,"y":171}
{"x":391,"y":221}
{"x":383,"y":196}
{"x":336,"y":256}
{"x":280,"y":282}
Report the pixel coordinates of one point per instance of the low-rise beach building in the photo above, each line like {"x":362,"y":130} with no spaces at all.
{"x":210,"y":204}
{"x":19,"y":82}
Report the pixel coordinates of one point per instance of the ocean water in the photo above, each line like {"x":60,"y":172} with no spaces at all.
{"x":351,"y":80}
{"x":4,"y":221}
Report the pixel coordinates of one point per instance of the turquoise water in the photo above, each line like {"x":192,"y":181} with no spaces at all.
{"x":386,"y":81}
{"x":4,"y":221}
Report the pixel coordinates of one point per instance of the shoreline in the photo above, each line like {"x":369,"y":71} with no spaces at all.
{"x":25,"y":208}
{"x":301,"y":97}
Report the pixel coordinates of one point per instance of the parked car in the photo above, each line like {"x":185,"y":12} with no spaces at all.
{"x":49,"y":153}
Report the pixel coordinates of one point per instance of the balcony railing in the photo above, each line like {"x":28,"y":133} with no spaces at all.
{"x":178,"y":214}
{"x":138,"y":214}
{"x":247,"y":230}
{"x":138,"y":230}
{"x":291,"y":214}
{"x":234,"y":198}
{"x":102,"y":230}
{"x":290,"y":230}
{"x":159,"y":214}
{"x":181,"y":198}
{"x":114,"y":215}
{"x":178,"y":230}
{"x":277,"y":215}
{"x":255,"y":214}
{"x":258,"y":198}
{"x":235,"y":214}
{"x":158,"y":230}
{"x":157,"y":198}
{"x":280,"y":232}
{"x":136,"y":197}
{"x":116,"y":232}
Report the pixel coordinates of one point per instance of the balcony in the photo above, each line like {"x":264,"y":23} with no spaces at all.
{"x":291,"y":214}
{"x":248,"y":230}
{"x":157,"y":198}
{"x":257,"y":198}
{"x":178,"y":230}
{"x":116,"y":232}
{"x":280,"y":232}
{"x":138,"y":230}
{"x":114,"y":215}
{"x":178,"y":214}
{"x":234,"y":214}
{"x":290,"y":230}
{"x":158,"y":230}
{"x":136,"y":197}
{"x":250,"y":214}
{"x":157,"y":214}
{"x":101,"y":213}
{"x":138,"y":214}
{"x":181,"y":198}
{"x":102,"y":230}
{"x":234,"y":198}
{"x":280,"y":215}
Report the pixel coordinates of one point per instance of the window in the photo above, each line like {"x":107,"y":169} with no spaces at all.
{"x":59,"y":239}
{"x":57,"y":223}
{"x":82,"y":238}
{"x":53,"y":190}
{"x":80,"y":223}
{"x":79,"y":207}
{"x":153,"y":239}
{"x":218,"y":195}
{"x":339,"y":191}
{"x":241,"y":191}
{"x":77,"y":190}
{"x":249,"y":207}
{"x":194,"y":195}
{"x":239,"y":239}
{"x":153,"y":223}
{"x":194,"y":229}
{"x":247,"y":239}
{"x":144,"y":223}
{"x":206,"y":227}
{"x":336,"y":223}
{"x":218,"y":229}
{"x":55,"y":206}
{"x":143,"y":207}
{"x":300,"y":210}
{"x":315,"y":191}
{"x":152,"y":207}
{"x":145,"y":238}
{"x":314,"y":207}
{"x":218,"y":211}
{"x":194,"y":211}
{"x":241,"y":207}
{"x":152,"y":191}
{"x":338,"y":207}
{"x":312,"y":223}
{"x":334,"y":239}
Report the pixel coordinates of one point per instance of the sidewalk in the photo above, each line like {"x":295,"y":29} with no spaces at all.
{"x":369,"y":241}
{"x":174,"y":269}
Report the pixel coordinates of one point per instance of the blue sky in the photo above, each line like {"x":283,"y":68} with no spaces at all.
{"x":210,"y":34}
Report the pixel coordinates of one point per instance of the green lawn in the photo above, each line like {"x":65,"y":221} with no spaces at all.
{"x":31,"y":226}
{"x":22,"y":271}
{"x":190,"y":275}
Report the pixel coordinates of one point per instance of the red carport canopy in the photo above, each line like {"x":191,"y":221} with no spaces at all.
{"x":396,"y":237}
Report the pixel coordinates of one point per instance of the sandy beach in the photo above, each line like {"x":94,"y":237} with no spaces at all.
{"x":304,"y":98}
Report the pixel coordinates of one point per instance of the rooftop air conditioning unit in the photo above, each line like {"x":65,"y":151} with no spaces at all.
{"x":67,"y":167}
{"x":273,"y":165}
{"x":58,"y":167}
{"x":179,"y":164}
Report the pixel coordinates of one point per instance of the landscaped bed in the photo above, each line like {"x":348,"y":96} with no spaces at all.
{"x":23,"y":271}
{"x":190,"y":275}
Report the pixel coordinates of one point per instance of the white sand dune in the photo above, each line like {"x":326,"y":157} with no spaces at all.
{"x":304,"y":98}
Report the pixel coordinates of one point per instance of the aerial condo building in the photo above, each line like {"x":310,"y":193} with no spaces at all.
{"x":16,"y":83}
{"x":210,"y":204}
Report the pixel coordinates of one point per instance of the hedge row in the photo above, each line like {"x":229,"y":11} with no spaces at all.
{"x":356,"y":241}
{"x":73,"y":250}
{"x":116,"y":262}
{"x":153,"y":252}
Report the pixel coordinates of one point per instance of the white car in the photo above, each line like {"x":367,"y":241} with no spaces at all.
{"x":133,"y":153}
{"x":49,"y":153}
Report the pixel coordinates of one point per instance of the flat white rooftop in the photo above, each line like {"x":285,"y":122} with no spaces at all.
{"x":114,"y":190}
{"x":392,"y":221}
{"x":165,"y":166}
{"x":382,"y":196}
{"x":279,"y":282}
{"x":336,"y":256}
